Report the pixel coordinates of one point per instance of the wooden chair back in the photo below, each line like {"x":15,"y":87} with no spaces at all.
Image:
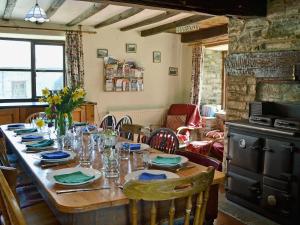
{"x":164,"y":139}
{"x":108,"y":122}
{"x":9,"y":207}
{"x":124,"y":120}
{"x":131,"y":132}
{"x":171,"y":189}
{"x":34,"y":116}
{"x":3,"y":154}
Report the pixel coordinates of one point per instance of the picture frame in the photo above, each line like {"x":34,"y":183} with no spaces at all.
{"x":173,"y":71}
{"x":102,"y":52}
{"x":156,"y":56}
{"x":131,"y":48}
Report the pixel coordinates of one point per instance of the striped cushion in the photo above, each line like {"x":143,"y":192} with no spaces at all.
{"x":28,"y":196}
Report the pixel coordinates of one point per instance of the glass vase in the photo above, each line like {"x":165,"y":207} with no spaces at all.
{"x":60,"y":142}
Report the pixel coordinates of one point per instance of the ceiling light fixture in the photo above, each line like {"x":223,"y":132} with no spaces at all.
{"x":36,"y":14}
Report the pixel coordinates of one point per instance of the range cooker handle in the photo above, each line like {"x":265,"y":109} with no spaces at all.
{"x":287,"y":176}
{"x":267,"y":149}
{"x":289,"y":147}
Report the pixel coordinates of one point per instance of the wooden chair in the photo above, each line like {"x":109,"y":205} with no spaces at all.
{"x":171,"y":189}
{"x":108,"y":122}
{"x":124,"y":120}
{"x":34,"y":116}
{"x":131,"y":132}
{"x":164,"y":139}
{"x":38,"y":214}
{"x":3,"y":154}
{"x":212,"y":203}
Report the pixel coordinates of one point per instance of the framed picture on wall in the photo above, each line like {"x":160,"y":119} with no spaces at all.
{"x":102,"y":52}
{"x":130,"y":48}
{"x":173,"y":71}
{"x":156,"y":56}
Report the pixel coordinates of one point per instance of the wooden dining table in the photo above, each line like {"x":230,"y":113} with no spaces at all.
{"x":99,"y":207}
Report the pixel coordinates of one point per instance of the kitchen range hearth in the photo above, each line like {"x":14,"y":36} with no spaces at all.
{"x":264,"y":161}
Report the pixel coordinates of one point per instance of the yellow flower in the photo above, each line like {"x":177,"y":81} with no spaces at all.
{"x":49,"y":100}
{"x":75,"y":96}
{"x":45,"y":92}
{"x":65,"y":115}
{"x":81,"y":92}
{"x":41,"y":99}
{"x":56,"y":99}
{"x":65,"y":90}
{"x":39,"y":123}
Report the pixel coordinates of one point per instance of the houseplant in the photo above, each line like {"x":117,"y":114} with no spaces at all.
{"x":61,"y":105}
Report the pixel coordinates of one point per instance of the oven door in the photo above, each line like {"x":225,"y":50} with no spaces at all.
{"x":245,"y":151}
{"x":243,"y":187}
{"x":278,"y":159}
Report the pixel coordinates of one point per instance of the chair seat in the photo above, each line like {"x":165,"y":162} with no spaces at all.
{"x":218,"y":150}
{"x":39,"y":214}
{"x":12,"y":158}
{"x":28,"y":196}
{"x":200,"y":147}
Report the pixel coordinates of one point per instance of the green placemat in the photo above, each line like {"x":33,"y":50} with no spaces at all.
{"x":166,"y":160}
{"x":70,"y":178}
{"x":25,"y":131}
{"x":43,"y":143}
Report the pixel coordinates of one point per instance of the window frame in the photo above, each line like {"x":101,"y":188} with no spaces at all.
{"x":33,"y":70}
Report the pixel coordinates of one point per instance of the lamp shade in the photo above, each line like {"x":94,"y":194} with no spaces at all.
{"x":36,"y":14}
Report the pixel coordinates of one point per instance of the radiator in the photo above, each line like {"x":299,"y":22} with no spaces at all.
{"x":143,"y":117}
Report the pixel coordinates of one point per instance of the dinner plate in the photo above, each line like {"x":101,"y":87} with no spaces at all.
{"x":87,"y":171}
{"x":153,"y":156}
{"x":39,"y":156}
{"x":135,"y":175}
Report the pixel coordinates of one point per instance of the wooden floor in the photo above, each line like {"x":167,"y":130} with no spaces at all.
{"x":224,"y":219}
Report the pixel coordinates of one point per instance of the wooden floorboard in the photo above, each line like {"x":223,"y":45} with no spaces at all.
{"x":224,"y":219}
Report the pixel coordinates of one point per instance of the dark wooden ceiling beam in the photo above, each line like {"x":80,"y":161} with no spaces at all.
{"x":213,"y":7}
{"x":117,"y":18}
{"x":168,"y":26}
{"x":151,"y":20}
{"x":87,"y":13}
{"x":54,"y":7}
{"x":204,"y":33}
{"x":10,"y":5}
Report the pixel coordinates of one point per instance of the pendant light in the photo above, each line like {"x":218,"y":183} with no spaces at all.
{"x":36,"y":14}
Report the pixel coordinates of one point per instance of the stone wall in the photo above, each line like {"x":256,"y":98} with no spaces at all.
{"x":211,"y":79}
{"x":279,"y":31}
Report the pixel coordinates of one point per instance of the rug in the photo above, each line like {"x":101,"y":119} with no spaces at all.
{"x":242,"y":214}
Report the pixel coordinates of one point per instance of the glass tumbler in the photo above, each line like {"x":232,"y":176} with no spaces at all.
{"x":124,"y":150}
{"x":111,"y":162}
{"x":85,"y":152}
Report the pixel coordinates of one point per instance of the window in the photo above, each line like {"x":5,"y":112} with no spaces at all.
{"x":28,"y":66}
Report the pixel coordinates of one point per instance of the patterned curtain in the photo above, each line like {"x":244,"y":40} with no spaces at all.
{"x":74,"y":57}
{"x":197,"y":62}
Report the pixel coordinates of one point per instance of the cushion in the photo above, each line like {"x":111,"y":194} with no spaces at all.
{"x":175,"y":121}
{"x":28,"y":196}
{"x":215,"y":134}
{"x":200,"y":147}
{"x":217,"y":150}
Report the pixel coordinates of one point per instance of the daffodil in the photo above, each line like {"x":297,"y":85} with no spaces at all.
{"x":75,"y":96}
{"x":49,"y":100}
{"x":39,"y":123}
{"x":65,"y":90}
{"x":56,"y":99}
{"x":46,"y":92}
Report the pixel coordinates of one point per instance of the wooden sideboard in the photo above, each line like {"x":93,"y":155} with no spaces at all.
{"x":18,"y":112}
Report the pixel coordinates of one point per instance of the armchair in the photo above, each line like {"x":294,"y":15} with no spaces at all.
{"x":183,"y":119}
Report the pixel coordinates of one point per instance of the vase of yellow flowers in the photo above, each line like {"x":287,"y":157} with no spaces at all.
{"x":61,"y":105}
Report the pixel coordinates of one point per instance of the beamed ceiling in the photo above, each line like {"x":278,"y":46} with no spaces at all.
{"x":146,"y":16}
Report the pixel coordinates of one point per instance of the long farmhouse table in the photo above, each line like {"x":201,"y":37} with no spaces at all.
{"x":100,"y":207}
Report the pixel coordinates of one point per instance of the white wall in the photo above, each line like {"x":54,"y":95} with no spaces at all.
{"x":160,"y":89}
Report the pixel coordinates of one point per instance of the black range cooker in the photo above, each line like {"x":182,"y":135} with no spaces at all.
{"x":264,"y":162}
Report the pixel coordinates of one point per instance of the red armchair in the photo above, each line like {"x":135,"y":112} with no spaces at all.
{"x":183,"y":119}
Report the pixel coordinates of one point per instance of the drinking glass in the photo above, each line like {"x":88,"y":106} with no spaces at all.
{"x":124,"y":150}
{"x":140,"y":160}
{"x":85,"y":152}
{"x":111,"y":162}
